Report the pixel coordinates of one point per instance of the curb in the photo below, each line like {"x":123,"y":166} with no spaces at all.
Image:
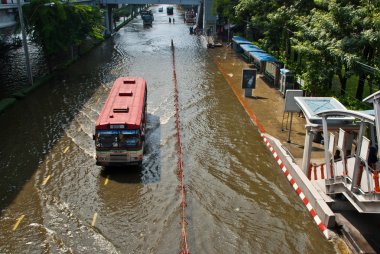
{"x":298,"y":190}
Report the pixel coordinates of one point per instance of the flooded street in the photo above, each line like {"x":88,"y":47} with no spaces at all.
{"x":54,"y":199}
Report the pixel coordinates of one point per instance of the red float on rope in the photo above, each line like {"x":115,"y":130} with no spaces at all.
{"x":184,"y":246}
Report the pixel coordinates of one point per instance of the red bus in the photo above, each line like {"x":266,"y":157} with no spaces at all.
{"x":120,"y":128}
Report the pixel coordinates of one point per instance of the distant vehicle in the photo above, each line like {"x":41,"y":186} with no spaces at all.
{"x":146,"y":12}
{"x":120,"y":128}
{"x":147,"y":17}
{"x":169,"y":10}
{"x":190,"y":16}
{"x":161,"y":9}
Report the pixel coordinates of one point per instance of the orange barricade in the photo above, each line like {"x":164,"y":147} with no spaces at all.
{"x":322,"y":172}
{"x":360,"y":175}
{"x":376,"y":179}
{"x":345,"y":171}
{"x":309,"y":172}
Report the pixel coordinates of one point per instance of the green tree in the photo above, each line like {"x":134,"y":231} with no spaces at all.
{"x":57,"y":26}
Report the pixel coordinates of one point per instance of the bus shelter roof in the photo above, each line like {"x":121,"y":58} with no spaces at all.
{"x":263,"y":57}
{"x":251,"y":48}
{"x":312,"y":106}
{"x":240,"y":40}
{"x":314,"y":109}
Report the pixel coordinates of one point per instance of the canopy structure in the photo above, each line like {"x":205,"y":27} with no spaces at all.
{"x":263,"y":57}
{"x":251,"y":48}
{"x":355,"y":184}
{"x":240,"y":40}
{"x":375,"y":99}
{"x":311,"y":106}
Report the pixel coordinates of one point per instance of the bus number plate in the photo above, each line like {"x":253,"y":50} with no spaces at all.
{"x":117,"y":126}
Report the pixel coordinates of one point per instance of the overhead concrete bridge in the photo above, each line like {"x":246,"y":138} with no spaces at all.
{"x":205,"y":19}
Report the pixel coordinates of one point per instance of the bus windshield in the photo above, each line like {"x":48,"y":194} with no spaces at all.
{"x":117,"y":140}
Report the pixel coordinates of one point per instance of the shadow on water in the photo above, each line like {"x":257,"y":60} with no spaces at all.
{"x":32,"y":128}
{"x":127,"y":174}
{"x":150,"y":170}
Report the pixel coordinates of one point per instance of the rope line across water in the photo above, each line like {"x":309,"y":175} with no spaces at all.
{"x":181,"y":187}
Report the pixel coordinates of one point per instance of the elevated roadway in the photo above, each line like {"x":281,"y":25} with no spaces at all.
{"x":142,"y":2}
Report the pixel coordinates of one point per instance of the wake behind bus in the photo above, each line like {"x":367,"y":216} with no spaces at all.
{"x":120,"y":128}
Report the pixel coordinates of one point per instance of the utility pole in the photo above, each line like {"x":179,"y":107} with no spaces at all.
{"x":25,"y":43}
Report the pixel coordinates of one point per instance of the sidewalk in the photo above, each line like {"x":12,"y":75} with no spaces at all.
{"x":359,"y":231}
{"x":267,"y":103}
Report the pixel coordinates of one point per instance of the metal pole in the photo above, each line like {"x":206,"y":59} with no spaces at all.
{"x":376,"y":106}
{"x":228,"y":34}
{"x":307,"y":149}
{"x":326,"y":143}
{"x":290,"y":127}
{"x":25,"y":43}
{"x":355,"y":176}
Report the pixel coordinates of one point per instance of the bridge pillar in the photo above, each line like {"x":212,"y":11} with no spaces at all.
{"x":209,"y":19}
{"x":108,"y":19}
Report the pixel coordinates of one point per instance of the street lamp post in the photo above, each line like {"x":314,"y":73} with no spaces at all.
{"x":24,"y":42}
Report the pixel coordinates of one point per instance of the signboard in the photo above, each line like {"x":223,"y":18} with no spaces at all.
{"x":117,"y":126}
{"x":249,"y":78}
{"x":290,"y":103}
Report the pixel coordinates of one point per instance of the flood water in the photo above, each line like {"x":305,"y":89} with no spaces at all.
{"x":238,"y":200}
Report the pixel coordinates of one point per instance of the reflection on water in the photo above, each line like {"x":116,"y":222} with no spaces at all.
{"x":13,"y":73}
{"x":237,"y":198}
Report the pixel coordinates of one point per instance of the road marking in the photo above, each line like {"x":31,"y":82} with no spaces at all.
{"x":46,"y":179}
{"x":106,"y":181}
{"x":67,"y":148}
{"x":94,"y":219}
{"x":18,"y":222}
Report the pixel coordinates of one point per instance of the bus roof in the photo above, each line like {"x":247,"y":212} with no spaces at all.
{"x":124,"y":105}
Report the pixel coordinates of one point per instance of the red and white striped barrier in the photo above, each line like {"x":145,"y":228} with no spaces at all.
{"x":298,"y":190}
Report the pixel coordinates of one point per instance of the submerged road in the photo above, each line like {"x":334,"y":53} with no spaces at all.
{"x":54,"y":199}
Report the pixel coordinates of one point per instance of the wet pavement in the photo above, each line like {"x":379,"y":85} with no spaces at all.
{"x":267,"y":105}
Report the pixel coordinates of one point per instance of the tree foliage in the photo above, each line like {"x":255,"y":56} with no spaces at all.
{"x":57,"y":26}
{"x":332,"y":38}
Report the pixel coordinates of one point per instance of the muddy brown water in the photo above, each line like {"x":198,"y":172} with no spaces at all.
{"x":238,"y":201}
